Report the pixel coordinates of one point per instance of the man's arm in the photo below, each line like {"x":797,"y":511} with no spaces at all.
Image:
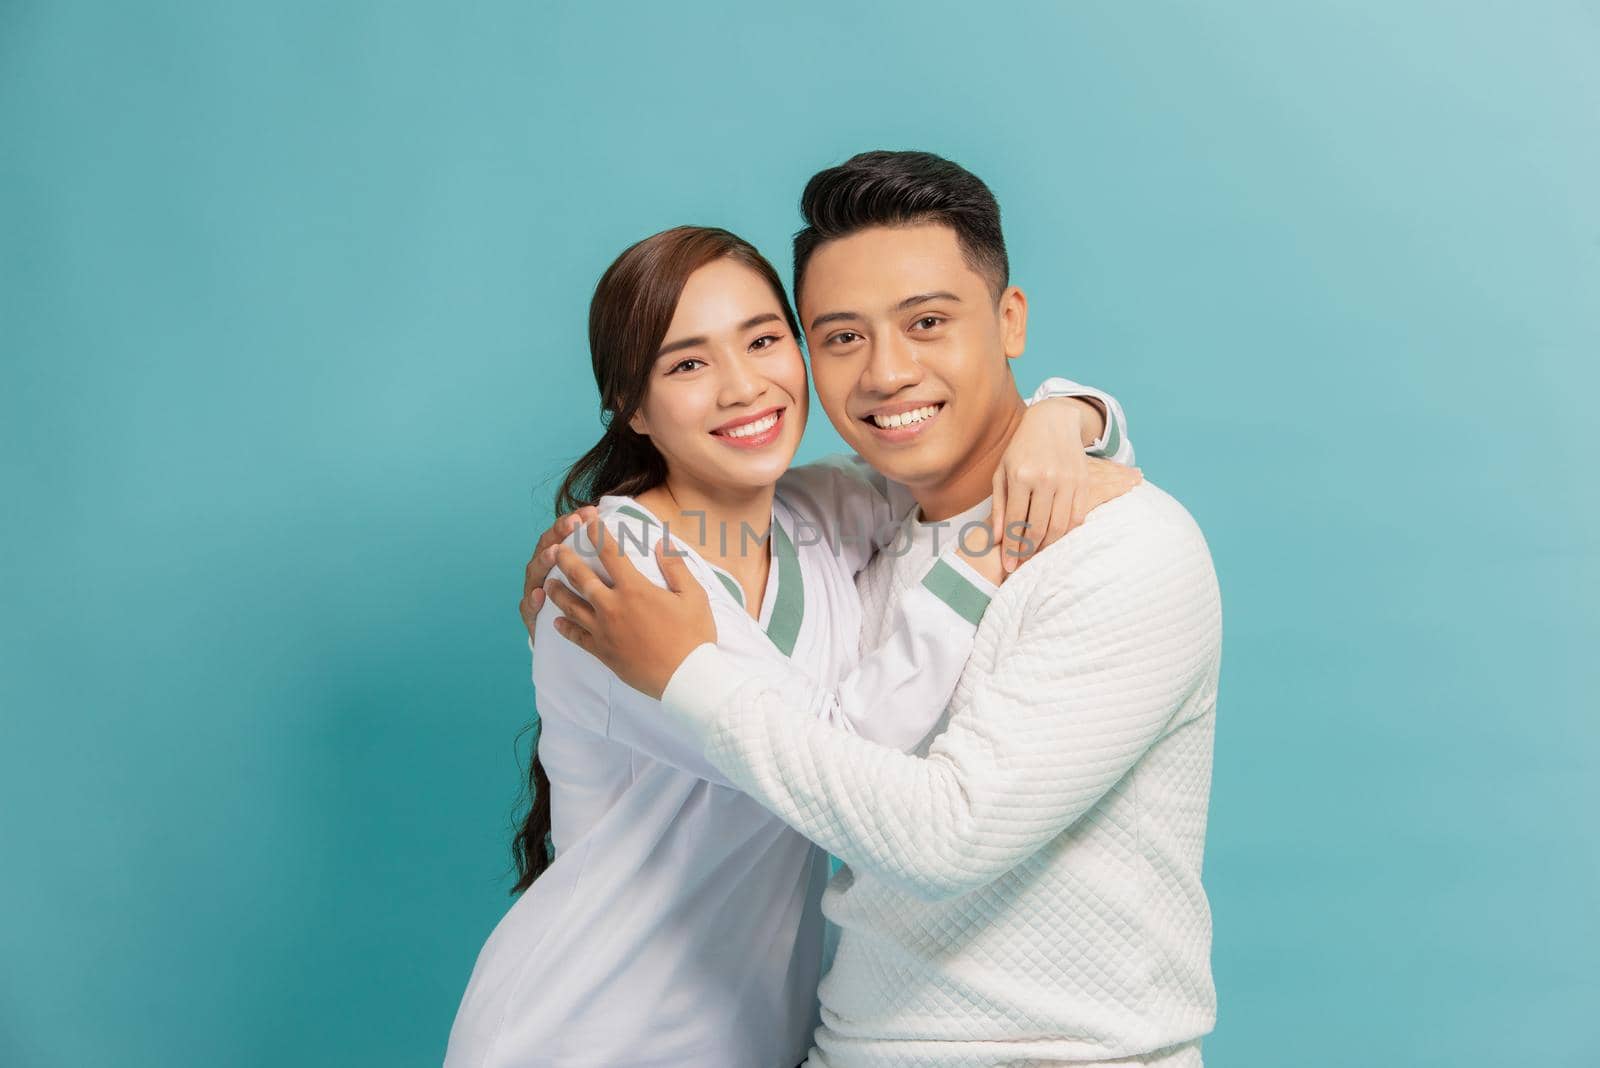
{"x":1107,"y":660}
{"x":1110,"y":440}
{"x":1042,"y":476}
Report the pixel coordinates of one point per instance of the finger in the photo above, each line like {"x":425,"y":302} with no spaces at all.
{"x":572,"y":606}
{"x":579,"y":575}
{"x":997,"y":508}
{"x":529,"y":606}
{"x":576,"y":634}
{"x":558,"y":530}
{"x":1016,"y":528}
{"x":673,"y":568}
{"x":538,"y":568}
{"x":609,"y":553}
{"x":1061,"y":517}
{"x":1040,"y":507}
{"x":1083,"y":503}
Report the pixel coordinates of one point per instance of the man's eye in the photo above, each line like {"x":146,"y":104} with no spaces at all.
{"x":928,"y":322}
{"x":844,"y":337}
{"x":682,"y":364}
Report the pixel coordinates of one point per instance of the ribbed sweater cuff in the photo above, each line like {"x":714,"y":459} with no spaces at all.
{"x":701,"y":685}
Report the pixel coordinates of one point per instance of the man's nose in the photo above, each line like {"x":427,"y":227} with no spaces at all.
{"x":890,"y":367}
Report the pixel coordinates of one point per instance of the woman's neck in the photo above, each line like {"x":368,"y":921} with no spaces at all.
{"x":728,"y":527}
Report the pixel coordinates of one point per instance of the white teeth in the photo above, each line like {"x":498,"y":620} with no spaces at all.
{"x":759,"y":426}
{"x":915,"y":415}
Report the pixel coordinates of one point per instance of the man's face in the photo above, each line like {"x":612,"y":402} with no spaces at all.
{"x":909,"y":349}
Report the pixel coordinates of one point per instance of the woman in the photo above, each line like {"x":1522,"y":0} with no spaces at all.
{"x":679,"y":922}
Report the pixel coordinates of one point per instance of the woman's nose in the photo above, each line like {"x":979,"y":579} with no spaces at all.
{"x":740,"y":383}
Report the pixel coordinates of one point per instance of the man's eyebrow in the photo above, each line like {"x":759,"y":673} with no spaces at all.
{"x":834,"y":317}
{"x":923,"y":298}
{"x":693,"y":342}
{"x":909,"y":302}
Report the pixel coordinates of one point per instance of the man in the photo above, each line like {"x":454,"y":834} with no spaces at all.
{"x":1026,"y":888}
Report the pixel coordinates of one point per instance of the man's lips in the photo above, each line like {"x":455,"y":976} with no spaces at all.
{"x":907,"y":419}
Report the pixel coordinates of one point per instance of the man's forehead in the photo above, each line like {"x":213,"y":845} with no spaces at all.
{"x":880,"y":268}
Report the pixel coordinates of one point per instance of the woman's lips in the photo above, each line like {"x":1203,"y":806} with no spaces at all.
{"x":757,"y":440}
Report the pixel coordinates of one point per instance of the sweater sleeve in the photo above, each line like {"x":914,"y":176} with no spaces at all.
{"x":1108,"y":659}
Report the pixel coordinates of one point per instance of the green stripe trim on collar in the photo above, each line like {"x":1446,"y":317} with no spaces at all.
{"x":633,"y":513}
{"x":727,"y":580}
{"x":957,"y":591}
{"x":790,"y":608}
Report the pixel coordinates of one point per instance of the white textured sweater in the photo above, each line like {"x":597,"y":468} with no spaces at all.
{"x":1025,"y":889}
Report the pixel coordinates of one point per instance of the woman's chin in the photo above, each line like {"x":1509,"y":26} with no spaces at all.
{"x":757,"y":470}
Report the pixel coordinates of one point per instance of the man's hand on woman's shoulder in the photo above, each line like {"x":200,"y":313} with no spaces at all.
{"x":539,"y":566}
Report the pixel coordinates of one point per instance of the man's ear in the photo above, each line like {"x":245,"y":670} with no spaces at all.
{"x":1013,"y":321}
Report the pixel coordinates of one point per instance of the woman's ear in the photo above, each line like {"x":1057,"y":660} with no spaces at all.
{"x":1013,"y":321}
{"x":637,"y":424}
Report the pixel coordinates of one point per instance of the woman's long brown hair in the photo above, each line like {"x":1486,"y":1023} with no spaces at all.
{"x":632,"y":307}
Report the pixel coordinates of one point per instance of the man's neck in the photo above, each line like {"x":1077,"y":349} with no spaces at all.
{"x":973,"y":478}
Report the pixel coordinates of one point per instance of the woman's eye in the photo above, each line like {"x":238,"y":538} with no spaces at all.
{"x":766,"y":341}
{"x":682,"y":364}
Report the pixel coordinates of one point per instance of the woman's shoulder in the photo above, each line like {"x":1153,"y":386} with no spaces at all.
{"x":625,"y":519}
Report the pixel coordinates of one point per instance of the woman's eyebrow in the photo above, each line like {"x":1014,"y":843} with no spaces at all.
{"x":692,"y":342}
{"x":685,"y":343}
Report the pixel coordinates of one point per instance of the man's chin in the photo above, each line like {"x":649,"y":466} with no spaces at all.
{"x":912,"y":467}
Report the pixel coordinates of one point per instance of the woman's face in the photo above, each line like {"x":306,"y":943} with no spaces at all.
{"x":726,"y":402}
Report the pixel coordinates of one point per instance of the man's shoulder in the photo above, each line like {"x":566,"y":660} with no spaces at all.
{"x":1139,"y":567}
{"x":1144,"y":528}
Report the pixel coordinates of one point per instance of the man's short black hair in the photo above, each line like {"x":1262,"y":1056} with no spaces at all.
{"x":903,"y":189}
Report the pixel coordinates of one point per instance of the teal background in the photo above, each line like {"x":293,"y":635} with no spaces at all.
{"x":292,"y":307}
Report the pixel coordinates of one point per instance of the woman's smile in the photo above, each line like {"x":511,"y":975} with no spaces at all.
{"x":752,"y":432}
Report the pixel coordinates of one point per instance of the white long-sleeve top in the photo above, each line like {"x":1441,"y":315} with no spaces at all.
{"x":1025,"y":889}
